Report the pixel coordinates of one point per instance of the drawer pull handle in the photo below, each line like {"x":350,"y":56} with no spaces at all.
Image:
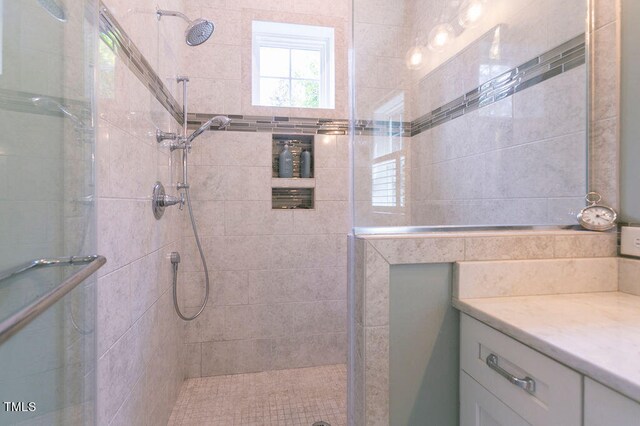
{"x":527,"y":384}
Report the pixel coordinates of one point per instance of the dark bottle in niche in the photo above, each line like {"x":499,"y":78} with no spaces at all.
{"x":305,"y":164}
{"x":285,"y":163}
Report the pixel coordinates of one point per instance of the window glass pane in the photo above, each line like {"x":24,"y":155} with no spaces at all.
{"x":384,"y":184}
{"x":305,"y":64}
{"x":274,"y":92}
{"x":305,"y":93}
{"x":274,"y":62}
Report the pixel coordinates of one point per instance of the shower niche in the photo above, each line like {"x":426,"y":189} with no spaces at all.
{"x":297,"y":188}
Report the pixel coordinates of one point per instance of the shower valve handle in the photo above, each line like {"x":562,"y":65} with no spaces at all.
{"x":163,"y":136}
{"x":170,"y":200}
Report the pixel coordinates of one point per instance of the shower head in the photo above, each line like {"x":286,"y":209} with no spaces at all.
{"x":50,"y":105}
{"x":54,"y":9}
{"x":222,"y":121}
{"x":198,"y":31}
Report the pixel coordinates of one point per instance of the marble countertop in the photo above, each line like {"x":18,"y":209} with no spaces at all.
{"x":597,"y":334}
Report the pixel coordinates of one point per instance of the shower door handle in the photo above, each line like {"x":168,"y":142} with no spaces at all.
{"x":14,"y":323}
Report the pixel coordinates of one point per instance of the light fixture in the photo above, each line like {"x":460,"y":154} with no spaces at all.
{"x":470,"y":13}
{"x":415,"y":57}
{"x":440,"y":36}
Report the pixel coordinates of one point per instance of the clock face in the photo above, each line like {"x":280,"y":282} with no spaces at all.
{"x":597,"y":218}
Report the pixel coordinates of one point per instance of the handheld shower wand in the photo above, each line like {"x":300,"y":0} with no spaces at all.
{"x":223,"y":123}
{"x":184,"y":143}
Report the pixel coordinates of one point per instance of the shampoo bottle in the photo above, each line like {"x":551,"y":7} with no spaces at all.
{"x":285,"y":163}
{"x":305,"y":164}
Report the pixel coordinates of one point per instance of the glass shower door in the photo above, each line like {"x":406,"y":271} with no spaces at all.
{"x":46,"y":207}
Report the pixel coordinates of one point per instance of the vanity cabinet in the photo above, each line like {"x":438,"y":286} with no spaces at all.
{"x":606,"y":407}
{"x":506,"y":383}
{"x":514,"y":384}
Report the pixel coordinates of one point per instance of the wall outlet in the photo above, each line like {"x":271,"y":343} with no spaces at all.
{"x":630,"y":241}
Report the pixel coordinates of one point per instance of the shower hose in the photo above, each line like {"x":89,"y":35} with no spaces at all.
{"x":204,"y":264}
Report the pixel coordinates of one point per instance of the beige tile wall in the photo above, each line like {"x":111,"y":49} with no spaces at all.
{"x":220,"y":69}
{"x":381,"y":38}
{"x":278,"y":277}
{"x":139,"y":348}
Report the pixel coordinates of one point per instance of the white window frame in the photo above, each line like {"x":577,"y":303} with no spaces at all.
{"x":296,"y":37}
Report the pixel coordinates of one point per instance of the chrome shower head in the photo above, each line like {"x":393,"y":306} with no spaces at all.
{"x":54,"y":9}
{"x":223,"y":123}
{"x":198,"y":31}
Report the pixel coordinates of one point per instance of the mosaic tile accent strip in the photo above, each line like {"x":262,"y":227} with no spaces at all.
{"x":291,"y":198}
{"x":117,"y":39}
{"x":550,"y":64}
{"x":300,"y":125}
{"x":297,"y":397}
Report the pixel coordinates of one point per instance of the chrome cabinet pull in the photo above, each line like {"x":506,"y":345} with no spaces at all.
{"x":527,"y":384}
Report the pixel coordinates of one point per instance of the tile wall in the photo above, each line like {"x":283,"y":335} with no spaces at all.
{"x":521,"y":160}
{"x":140,"y":351}
{"x":278,"y":277}
{"x":220,"y":69}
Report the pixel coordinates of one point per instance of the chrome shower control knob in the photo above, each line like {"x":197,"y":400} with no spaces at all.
{"x":160,"y":200}
{"x":163,"y":136}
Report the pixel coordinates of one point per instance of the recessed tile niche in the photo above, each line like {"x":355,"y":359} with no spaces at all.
{"x":295,"y":192}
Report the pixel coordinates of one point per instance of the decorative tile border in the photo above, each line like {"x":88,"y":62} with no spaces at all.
{"x":117,"y":39}
{"x":541,"y":68}
{"x":301,"y":125}
{"x":550,"y":64}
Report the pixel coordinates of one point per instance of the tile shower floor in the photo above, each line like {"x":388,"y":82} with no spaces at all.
{"x":296,"y":397}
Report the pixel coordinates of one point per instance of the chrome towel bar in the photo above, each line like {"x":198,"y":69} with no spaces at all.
{"x":15,"y":322}
{"x":52,"y":261}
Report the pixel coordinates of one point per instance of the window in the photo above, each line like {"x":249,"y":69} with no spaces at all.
{"x":389,"y":161}
{"x":293,"y":65}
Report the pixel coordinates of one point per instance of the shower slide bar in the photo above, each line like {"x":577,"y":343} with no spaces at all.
{"x":14,"y":323}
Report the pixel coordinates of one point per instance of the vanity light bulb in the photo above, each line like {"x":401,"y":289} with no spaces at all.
{"x":440,"y":36}
{"x":415,"y":57}
{"x":470,"y":13}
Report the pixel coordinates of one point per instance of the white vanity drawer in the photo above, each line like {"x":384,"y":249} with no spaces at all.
{"x":557,"y":398}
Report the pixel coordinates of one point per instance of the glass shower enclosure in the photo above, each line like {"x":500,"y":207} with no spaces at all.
{"x":469,"y":113}
{"x":47,"y":211}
